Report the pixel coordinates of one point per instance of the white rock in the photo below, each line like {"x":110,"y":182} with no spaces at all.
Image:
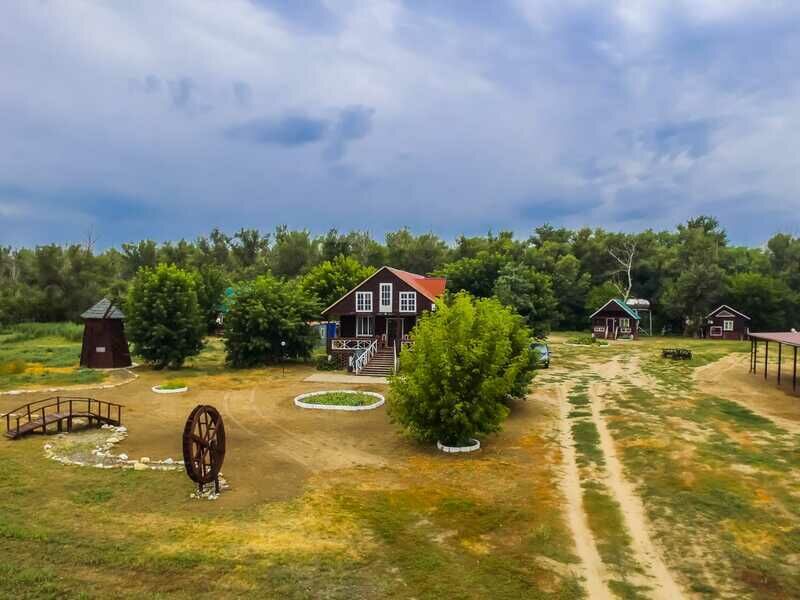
{"x":139,"y":467}
{"x":169,"y":461}
{"x":144,"y":459}
{"x":123,"y":457}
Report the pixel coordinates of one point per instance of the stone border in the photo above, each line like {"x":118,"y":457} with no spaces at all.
{"x":157,"y":389}
{"x":106,"y":459}
{"x":606,"y":345}
{"x":456,"y":449}
{"x":77,"y":388}
{"x":298,"y":401}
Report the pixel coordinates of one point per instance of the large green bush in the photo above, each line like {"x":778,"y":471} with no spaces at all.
{"x":163,"y":318}
{"x":264,"y":313}
{"x":470,"y":358}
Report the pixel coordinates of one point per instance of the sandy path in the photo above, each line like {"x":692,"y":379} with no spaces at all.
{"x":593,"y":570}
{"x":662,"y":583}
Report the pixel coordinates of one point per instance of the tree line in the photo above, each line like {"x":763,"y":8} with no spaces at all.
{"x":553,"y":277}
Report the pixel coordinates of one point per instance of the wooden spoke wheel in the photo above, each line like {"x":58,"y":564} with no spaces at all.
{"x":204,"y":445}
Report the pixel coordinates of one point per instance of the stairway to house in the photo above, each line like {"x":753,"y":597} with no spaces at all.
{"x":380,"y":365}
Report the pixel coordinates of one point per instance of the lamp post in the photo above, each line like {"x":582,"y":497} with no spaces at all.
{"x":283,"y":364}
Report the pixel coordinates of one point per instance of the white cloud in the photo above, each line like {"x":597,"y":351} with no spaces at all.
{"x":475,"y":119}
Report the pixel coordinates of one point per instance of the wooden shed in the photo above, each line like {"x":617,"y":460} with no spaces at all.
{"x":726,"y":323}
{"x":615,"y":320}
{"x":104,"y":342}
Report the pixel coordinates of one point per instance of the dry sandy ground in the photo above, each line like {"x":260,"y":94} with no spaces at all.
{"x":729,"y":378}
{"x":272,"y":445}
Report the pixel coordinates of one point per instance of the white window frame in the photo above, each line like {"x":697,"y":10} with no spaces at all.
{"x":624,"y":323}
{"x":363,"y":301}
{"x":408,"y":302}
{"x":365,"y":326}
{"x":727,"y":325}
{"x":381,"y":306}
{"x":715,"y":331}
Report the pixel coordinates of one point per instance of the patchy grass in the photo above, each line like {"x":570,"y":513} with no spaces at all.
{"x":37,"y":355}
{"x":715,"y":480}
{"x":24,"y":332}
{"x":587,"y":443}
{"x":421,"y":525}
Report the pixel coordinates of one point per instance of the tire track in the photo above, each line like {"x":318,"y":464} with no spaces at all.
{"x":592,"y":568}
{"x":664,"y":586}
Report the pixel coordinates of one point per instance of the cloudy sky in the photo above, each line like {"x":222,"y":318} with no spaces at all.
{"x":163,"y":119}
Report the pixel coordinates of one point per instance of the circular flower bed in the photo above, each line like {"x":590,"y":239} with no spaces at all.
{"x":171,"y":387}
{"x":349,"y":400}
{"x":474,"y":445}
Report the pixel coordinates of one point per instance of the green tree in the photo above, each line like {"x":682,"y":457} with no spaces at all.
{"x":598,"y":296}
{"x":476,"y":275}
{"x":163,"y":317}
{"x":699,"y":281}
{"x":293,"y":253}
{"x":421,"y":254}
{"x":768,"y":301}
{"x":264,"y":313}
{"x":332,"y":279}
{"x":530,"y":294}
{"x":210,"y":283}
{"x":470,"y":358}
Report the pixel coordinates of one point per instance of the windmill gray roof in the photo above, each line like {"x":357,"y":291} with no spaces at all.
{"x":103,"y":310}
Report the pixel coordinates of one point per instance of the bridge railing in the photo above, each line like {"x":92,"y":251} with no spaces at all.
{"x":61,"y":407}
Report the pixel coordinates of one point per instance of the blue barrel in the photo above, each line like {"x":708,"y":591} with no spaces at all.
{"x":330,"y":330}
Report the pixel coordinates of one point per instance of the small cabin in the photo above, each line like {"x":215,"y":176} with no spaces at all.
{"x":104,"y":343}
{"x":615,"y":320}
{"x":726,"y":323}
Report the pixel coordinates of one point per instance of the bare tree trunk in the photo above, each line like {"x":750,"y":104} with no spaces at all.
{"x":625,"y":259}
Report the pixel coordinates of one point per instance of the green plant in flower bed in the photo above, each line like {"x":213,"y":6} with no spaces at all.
{"x":341,"y":399}
{"x":173,"y":384}
{"x":586,"y":340}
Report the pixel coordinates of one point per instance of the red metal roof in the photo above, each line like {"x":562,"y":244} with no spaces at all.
{"x":430,"y":287}
{"x":791,"y":338}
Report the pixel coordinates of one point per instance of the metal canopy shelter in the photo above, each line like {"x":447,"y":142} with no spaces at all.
{"x":782,"y":338}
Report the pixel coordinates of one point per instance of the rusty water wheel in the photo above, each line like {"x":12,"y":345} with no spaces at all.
{"x":204,"y":445}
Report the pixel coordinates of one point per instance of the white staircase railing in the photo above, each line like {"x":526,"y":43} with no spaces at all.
{"x":394,"y":352}
{"x":361,"y":361}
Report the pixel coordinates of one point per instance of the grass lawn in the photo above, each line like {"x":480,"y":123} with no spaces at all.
{"x":340,"y":505}
{"x":43,"y":354}
{"x":334,"y":505}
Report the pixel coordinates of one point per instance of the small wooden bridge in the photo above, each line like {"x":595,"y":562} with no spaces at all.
{"x":38,"y":416}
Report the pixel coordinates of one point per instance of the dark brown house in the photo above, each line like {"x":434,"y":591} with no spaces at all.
{"x":376,"y":316}
{"x":615,"y":320}
{"x":726,"y":323}
{"x":104,"y":342}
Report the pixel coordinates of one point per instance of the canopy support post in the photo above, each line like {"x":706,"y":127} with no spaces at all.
{"x":766,"y":357}
{"x":755,"y":356}
{"x":794,"y":371}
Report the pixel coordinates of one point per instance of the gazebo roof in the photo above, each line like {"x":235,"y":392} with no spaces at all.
{"x":103,"y":310}
{"x":790,"y":338}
